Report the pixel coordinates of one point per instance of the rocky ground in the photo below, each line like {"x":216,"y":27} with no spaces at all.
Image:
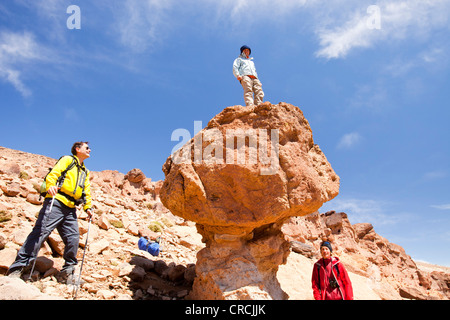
{"x":127,"y":207}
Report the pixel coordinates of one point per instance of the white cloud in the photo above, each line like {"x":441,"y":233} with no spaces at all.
{"x":412,"y":19}
{"x":239,"y":10}
{"x":442,"y":206}
{"x":349,"y":140}
{"x":142,"y":23}
{"x":433,"y":55}
{"x":343,"y":26}
{"x":16,"y":51}
{"x":363,"y":210}
{"x":13,"y":77}
{"x":431,"y":58}
{"x":337,"y":43}
{"x":437,"y":174}
{"x":17,"y":46}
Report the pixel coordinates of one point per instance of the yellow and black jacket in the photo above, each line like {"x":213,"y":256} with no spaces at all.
{"x":72,"y":187}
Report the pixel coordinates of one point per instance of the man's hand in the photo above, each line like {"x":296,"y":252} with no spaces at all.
{"x":89,"y":212}
{"x":53,"y":190}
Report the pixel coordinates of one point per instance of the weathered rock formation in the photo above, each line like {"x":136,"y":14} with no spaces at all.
{"x":115,"y":269}
{"x":241,"y":192}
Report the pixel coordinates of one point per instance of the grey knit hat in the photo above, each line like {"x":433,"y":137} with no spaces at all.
{"x":327,"y":244}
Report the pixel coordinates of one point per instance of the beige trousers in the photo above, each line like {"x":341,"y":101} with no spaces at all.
{"x":252,"y":86}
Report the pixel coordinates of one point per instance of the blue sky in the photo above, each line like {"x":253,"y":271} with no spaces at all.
{"x":370,"y":76}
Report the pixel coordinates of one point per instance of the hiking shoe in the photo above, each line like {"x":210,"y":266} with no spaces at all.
{"x":15,"y":273}
{"x":68,"y":277}
{"x":65,"y":276}
{"x":73,"y":280}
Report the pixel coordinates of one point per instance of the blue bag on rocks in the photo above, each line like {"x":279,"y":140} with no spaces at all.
{"x":147,"y":245}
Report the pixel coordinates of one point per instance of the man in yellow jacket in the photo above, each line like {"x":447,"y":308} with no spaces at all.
{"x":67,"y":185}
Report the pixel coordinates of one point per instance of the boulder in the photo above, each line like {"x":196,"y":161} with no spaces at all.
{"x":103,"y":222}
{"x":3,"y":240}
{"x":35,"y":198}
{"x":11,"y":189}
{"x":21,"y":233}
{"x":135,"y":175}
{"x":7,"y":257}
{"x":240,"y":179}
{"x":361,"y":229}
{"x":17,"y":289}
{"x":411,"y":293}
{"x":98,"y":246}
{"x":304,"y":249}
{"x":43,"y":264}
{"x":10,"y":168}
{"x":176,"y":273}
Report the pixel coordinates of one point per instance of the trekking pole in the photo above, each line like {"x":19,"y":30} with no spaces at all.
{"x":46,"y":213}
{"x":161,"y":245}
{"x":82,"y":260}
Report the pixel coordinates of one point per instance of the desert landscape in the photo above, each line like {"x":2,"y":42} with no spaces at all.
{"x":209,"y":230}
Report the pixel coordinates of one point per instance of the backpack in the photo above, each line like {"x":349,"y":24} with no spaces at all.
{"x":335,"y":266}
{"x":146,"y":245}
{"x":60,"y":181}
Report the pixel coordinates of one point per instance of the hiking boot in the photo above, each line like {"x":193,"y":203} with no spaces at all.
{"x":69,"y":277}
{"x":15,"y":272}
{"x":73,"y":280}
{"x":64,"y":275}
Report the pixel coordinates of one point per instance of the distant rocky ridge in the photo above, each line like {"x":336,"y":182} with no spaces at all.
{"x":128,"y":206}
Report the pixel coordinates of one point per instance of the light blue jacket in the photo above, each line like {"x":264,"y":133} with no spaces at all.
{"x":244,"y":66}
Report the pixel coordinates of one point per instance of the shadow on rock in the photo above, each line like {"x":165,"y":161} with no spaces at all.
{"x":157,"y":280}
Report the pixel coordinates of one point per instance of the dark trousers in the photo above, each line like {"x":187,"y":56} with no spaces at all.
{"x":61,"y":217}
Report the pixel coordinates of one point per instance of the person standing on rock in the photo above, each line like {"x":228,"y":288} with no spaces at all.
{"x":64,"y":192}
{"x":244,"y":70}
{"x":330,"y":279}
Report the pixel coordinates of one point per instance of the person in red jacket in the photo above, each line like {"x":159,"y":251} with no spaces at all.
{"x":330,"y":280}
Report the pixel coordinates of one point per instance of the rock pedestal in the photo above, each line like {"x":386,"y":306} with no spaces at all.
{"x":239,"y":179}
